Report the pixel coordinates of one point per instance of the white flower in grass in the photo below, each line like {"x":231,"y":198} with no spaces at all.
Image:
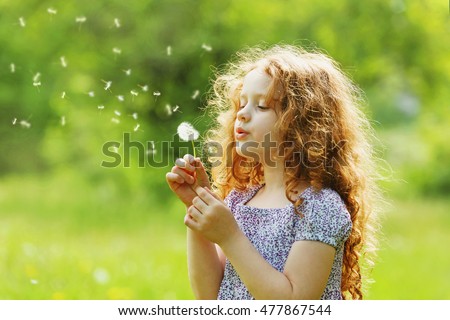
{"x":188,"y":133}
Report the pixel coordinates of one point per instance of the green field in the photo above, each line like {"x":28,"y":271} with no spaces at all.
{"x":63,"y":240}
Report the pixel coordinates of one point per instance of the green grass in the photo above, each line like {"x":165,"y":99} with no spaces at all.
{"x":66,"y":238}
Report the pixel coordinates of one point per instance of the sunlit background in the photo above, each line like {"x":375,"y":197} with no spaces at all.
{"x":75,"y":75}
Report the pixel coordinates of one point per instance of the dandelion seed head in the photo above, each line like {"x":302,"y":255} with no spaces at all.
{"x":63,"y":62}
{"x":206,"y":47}
{"x":195,"y":94}
{"x":107,"y":84}
{"x":136,"y":127}
{"x":169,"y":50}
{"x":187,"y":132}
{"x":22,"y":22}
{"x":80,"y":19}
{"x":12,"y":67}
{"x":120,"y":98}
{"x":91,"y":94}
{"x":117,"y":22}
{"x":25,"y":124}
{"x":115,"y":120}
{"x":52,"y":11}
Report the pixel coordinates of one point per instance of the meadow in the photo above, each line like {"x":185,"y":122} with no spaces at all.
{"x":65,"y":239}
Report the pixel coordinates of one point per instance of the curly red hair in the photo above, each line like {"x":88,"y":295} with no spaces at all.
{"x":319,"y":113}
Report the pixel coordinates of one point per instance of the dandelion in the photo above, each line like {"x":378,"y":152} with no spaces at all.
{"x":195,"y":94}
{"x":120,"y":98}
{"x":80,"y":20}
{"x":14,"y":121}
{"x":25,"y":124}
{"x":127,"y":72}
{"x":169,"y":50}
{"x":115,"y":120}
{"x":144,"y":87}
{"x":117,"y":113}
{"x":52,"y":11}
{"x":22,"y":22}
{"x":107,"y":84}
{"x":117,"y":22}
{"x":91,"y":94}
{"x":100,"y":107}
{"x":63,"y":95}
{"x":12,"y":67}
{"x":63,"y":62}
{"x":63,"y":121}
{"x":188,"y":133}
{"x":117,"y":50}
{"x":136,"y":128}
{"x":206,"y":47}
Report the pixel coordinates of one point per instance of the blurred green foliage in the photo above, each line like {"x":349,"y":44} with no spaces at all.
{"x":395,"y":50}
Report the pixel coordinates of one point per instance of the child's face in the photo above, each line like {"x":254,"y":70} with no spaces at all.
{"x":254,"y":126}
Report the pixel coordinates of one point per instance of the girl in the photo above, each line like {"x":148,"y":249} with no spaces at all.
{"x":296,"y":176}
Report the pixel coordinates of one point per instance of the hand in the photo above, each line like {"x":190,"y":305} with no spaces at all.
{"x":211,"y":217}
{"x":185,"y":175}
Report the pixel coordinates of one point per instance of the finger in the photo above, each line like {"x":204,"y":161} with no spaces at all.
{"x":184,"y":165}
{"x":204,"y":195}
{"x":200,"y":171}
{"x":173,"y":177}
{"x":190,"y":222}
{"x":190,"y":161}
{"x":213,"y":193}
{"x":194,"y":213}
{"x":199,"y":204}
{"x":183,"y":174}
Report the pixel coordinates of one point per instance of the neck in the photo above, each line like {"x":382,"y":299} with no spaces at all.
{"x":274,"y":176}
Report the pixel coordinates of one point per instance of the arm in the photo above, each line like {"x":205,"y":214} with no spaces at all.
{"x":307,"y":268}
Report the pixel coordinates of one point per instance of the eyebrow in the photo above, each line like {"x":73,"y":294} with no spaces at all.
{"x":258,"y":95}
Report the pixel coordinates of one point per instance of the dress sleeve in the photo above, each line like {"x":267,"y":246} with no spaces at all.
{"x":230,"y":199}
{"x":326,"y":219}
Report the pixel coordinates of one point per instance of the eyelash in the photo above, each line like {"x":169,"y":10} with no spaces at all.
{"x":260,"y":107}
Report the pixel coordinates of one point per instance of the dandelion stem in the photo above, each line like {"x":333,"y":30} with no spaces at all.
{"x":193,"y":147}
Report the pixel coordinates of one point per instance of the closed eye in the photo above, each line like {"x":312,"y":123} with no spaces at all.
{"x":263,"y":107}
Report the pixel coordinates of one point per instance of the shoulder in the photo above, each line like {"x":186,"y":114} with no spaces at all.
{"x":325,"y":217}
{"x":240,"y":196}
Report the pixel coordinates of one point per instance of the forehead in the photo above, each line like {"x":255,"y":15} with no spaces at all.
{"x":256,"y":82}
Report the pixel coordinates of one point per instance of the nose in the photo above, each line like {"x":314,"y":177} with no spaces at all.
{"x":243,"y":114}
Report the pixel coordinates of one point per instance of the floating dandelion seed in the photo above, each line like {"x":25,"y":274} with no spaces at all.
{"x":136,"y":128}
{"x":63,"y":95}
{"x":120,"y":98}
{"x":135,"y":116}
{"x":117,"y":22}
{"x":101,"y":107}
{"x":115,"y":120}
{"x":152,"y":150}
{"x":134,"y":93}
{"x":91,"y":94}
{"x":63,"y":62}
{"x":12,"y":67}
{"x":144,"y":87}
{"x":37,"y":77}
{"x":127,"y":72}
{"x":195,"y":94}
{"x":156,"y":93}
{"x":34,"y":281}
{"x":115,"y":149}
{"x":169,"y":50}
{"x":25,"y":124}
{"x":117,"y":113}
{"x":117,"y":50}
{"x":14,"y":121}
{"x":206,"y":47}
{"x":22,"y":22}
{"x":107,"y":84}
{"x":37,"y":84}
{"x":52,"y":11}
{"x":188,"y":133}
{"x":176,"y":109}
{"x":80,"y":20}
{"x":169,"y":109}
{"x":101,"y":276}
{"x":63,"y":121}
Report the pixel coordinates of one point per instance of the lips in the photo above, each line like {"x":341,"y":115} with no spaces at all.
{"x":241,"y":133}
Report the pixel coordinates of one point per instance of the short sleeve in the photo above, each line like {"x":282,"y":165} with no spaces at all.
{"x":325,"y":219}
{"x":231,"y":198}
